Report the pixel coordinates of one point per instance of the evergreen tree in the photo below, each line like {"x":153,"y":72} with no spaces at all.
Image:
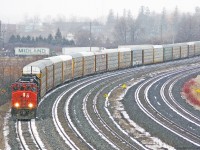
{"x":12,"y":39}
{"x":18,"y":39}
{"x":65,"y":42}
{"x":50,"y":39}
{"x":28,"y":39}
{"x":71,"y":42}
{"x":40,"y":39}
{"x":37,"y":40}
{"x":23,"y":39}
{"x":58,"y":37}
{"x":32,"y":40}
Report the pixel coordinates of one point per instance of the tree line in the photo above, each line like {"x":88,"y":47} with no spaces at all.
{"x":57,"y":40}
{"x":148,"y":27}
{"x":155,"y":28}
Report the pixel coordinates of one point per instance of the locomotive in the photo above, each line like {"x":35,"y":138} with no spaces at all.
{"x":41,"y":76}
{"x":25,"y":96}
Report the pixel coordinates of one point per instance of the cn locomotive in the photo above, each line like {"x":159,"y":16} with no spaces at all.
{"x":25,"y":97}
{"x":43,"y":75}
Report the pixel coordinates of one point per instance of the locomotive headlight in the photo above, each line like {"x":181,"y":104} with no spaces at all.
{"x":16,"y":105}
{"x":30,"y":105}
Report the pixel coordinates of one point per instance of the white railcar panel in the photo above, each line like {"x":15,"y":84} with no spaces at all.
{"x":49,"y":77}
{"x":137,"y":57}
{"x":124,"y":59}
{"x":148,"y":56}
{"x":197,"y":48}
{"x":49,"y":74}
{"x":112,"y":61}
{"x":176,"y":51}
{"x":191,"y":49}
{"x":184,"y":51}
{"x":89,"y":62}
{"x":137,"y":54}
{"x":158,"y":54}
{"x":78,"y":67}
{"x":67,"y":67}
{"x":100,"y":62}
{"x":33,"y":68}
{"x":77,"y":64}
{"x":57,"y":69}
{"x":167,"y":52}
{"x":67,"y":70}
{"x":43,"y":86}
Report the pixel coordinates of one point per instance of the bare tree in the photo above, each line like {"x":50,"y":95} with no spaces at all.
{"x":120,"y":31}
{"x":83,"y":38}
{"x":131,"y":28}
{"x":184,"y":30}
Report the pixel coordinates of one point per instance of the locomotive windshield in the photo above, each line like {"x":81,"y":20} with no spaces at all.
{"x":24,"y":87}
{"x":26,"y":83}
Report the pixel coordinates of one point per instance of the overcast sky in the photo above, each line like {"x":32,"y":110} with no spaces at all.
{"x":14,"y":11}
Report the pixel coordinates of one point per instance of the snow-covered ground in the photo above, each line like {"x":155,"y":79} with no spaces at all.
{"x":120,"y":114}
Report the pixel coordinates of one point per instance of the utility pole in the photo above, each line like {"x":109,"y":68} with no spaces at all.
{"x":161,"y":30}
{"x":125,"y":33}
{"x":0,"y":28}
{"x":90,"y":35}
{"x":3,"y":34}
{"x":0,"y":31}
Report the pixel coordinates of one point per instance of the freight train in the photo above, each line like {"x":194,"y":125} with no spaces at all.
{"x":41,"y":76}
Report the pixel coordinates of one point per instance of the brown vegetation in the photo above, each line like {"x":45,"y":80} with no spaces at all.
{"x":10,"y":71}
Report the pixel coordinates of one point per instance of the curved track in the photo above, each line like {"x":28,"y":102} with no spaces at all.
{"x":100,"y":129}
{"x":147,"y":105}
{"x":169,"y":116}
{"x":79,"y":114}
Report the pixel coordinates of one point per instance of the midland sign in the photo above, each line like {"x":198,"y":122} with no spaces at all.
{"x":31,"y":51}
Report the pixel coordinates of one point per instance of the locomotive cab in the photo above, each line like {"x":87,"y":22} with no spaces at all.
{"x":24,"y":100}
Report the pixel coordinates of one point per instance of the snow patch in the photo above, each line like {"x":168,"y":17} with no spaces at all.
{"x":117,"y":125}
{"x":6,"y":130}
{"x":21,"y":136}
{"x":158,"y":103}
{"x":132,"y":127}
{"x":34,"y":128}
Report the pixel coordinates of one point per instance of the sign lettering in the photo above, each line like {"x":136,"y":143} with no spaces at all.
{"x":31,"y":51}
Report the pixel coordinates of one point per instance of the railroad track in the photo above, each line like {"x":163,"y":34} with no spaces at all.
{"x":97,"y":121}
{"x":28,"y":139}
{"x":74,"y":127}
{"x":76,"y":115}
{"x":168,"y":98}
{"x":147,"y":105}
{"x":107,"y":133}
